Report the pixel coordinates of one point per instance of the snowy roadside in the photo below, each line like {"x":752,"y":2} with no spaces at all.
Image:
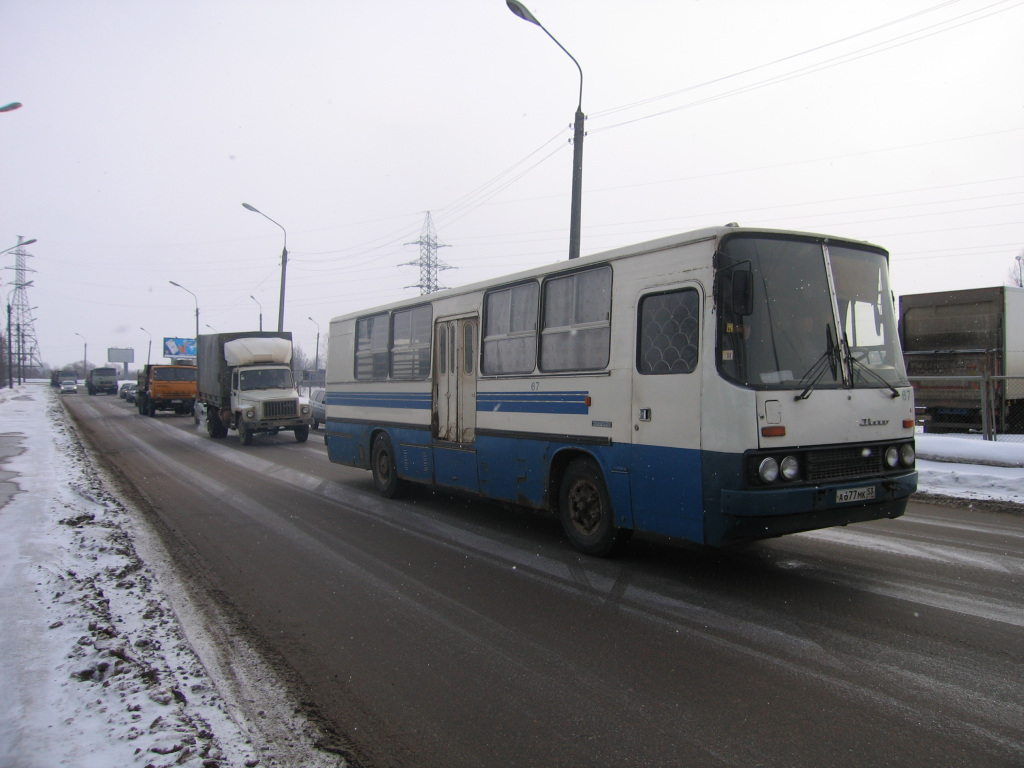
{"x":98,"y":644}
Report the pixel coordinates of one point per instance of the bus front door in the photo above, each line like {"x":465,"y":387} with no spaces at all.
{"x":454,"y":406}
{"x":665,"y":477}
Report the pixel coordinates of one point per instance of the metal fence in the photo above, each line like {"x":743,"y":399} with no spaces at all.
{"x":989,"y":406}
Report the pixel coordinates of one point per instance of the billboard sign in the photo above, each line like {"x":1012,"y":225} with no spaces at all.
{"x":175,"y":347}
{"x":120,"y":355}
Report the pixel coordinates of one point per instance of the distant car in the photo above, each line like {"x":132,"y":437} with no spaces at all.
{"x":123,"y":390}
{"x":316,"y":403}
{"x":129,"y":394}
{"x":68,"y":387}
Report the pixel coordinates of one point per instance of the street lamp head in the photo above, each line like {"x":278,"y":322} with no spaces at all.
{"x":250,"y":208}
{"x":11,"y":107}
{"x":521,"y":11}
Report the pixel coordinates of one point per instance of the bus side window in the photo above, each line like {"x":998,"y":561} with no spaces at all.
{"x":576,"y":327}
{"x":669,"y":331}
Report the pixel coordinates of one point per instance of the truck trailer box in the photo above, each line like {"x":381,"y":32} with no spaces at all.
{"x":952,"y":341}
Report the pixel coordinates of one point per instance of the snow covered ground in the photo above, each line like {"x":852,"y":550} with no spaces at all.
{"x":98,"y":647}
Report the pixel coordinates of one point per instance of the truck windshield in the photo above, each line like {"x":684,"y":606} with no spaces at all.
{"x":265,"y":378}
{"x":779,"y":328}
{"x":174,"y":374}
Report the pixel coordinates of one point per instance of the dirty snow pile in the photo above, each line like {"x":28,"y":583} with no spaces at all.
{"x":96,"y":670}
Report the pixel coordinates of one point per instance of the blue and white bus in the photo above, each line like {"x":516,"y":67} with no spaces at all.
{"x":723,"y":385}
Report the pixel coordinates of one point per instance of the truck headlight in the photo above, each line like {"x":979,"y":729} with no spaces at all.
{"x":250,"y":414}
{"x":305,"y":410}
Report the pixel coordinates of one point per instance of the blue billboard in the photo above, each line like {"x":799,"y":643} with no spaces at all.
{"x":175,"y":347}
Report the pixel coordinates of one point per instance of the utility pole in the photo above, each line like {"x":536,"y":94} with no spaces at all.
{"x":428,"y":262}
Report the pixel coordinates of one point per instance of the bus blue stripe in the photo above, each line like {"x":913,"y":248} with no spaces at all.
{"x":569,"y":402}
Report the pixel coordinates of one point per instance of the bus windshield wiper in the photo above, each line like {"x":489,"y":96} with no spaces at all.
{"x":827,"y":362}
{"x":855,"y":363}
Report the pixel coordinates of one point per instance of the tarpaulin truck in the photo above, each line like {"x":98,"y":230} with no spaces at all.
{"x":246,"y":384}
{"x":102,"y":380}
{"x":166,"y":388}
{"x":963,"y":348}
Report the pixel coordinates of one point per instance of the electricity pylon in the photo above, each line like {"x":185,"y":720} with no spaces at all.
{"x":428,"y":262}
{"x":24,"y":347}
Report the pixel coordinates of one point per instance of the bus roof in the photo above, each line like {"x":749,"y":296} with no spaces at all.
{"x":649,"y":246}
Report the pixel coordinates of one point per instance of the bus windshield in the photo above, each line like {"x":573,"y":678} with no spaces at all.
{"x":781,"y":327}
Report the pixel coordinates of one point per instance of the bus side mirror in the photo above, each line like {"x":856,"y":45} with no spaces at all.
{"x":742,"y":293}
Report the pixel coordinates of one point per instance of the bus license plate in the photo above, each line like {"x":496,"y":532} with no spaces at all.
{"x":846,"y":495}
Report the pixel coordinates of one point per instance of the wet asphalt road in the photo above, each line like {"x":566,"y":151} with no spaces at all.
{"x":439,"y":631}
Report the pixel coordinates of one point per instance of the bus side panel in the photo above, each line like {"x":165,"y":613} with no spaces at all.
{"x":672,"y":503}
{"x":455,"y":467}
{"x":347,"y":444}
{"x":351,"y":443}
{"x":518,"y":470}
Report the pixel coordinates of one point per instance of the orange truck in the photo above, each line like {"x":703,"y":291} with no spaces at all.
{"x":166,"y":388}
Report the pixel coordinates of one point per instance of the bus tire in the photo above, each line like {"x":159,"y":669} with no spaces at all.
{"x":586,"y":510}
{"x":382,"y":465}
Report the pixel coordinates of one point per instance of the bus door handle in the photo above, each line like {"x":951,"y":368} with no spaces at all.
{"x":645,"y":414}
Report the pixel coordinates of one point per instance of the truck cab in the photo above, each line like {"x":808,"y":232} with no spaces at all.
{"x":264,"y":400}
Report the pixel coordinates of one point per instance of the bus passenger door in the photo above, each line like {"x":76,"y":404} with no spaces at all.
{"x":665,"y":476}
{"x":454,"y":406}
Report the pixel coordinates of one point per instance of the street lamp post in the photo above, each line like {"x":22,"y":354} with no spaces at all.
{"x":261,"y":310}
{"x":194,"y":298}
{"x":19,"y":245}
{"x":284,"y":265}
{"x":316,"y":355}
{"x":523,"y":13}
{"x":149,"y":351}
{"x":85,"y":355}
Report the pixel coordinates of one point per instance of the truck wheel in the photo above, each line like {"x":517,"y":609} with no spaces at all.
{"x":586,"y":510}
{"x":301,"y":434}
{"x":150,"y":408}
{"x":244,"y":435}
{"x":382,"y":464}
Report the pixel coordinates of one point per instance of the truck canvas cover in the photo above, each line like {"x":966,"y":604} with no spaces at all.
{"x":254,"y":351}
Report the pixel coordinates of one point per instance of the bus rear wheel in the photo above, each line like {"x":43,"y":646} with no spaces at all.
{"x":382,"y":464}
{"x":586,"y":511}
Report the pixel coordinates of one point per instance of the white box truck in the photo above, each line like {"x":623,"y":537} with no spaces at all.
{"x":246,"y":384}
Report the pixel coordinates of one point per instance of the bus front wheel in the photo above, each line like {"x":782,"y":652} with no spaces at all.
{"x":385,"y":473}
{"x":586,"y":511}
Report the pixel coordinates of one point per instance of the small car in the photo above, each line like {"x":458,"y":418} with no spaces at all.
{"x":123,"y":389}
{"x":316,"y":404}
{"x":129,"y":394}
{"x":68,"y":387}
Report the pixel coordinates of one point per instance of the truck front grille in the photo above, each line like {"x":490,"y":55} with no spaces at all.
{"x":279,"y":409}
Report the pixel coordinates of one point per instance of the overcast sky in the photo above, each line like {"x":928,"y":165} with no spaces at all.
{"x":146,"y":125}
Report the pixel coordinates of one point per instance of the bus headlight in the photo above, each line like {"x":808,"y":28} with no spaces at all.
{"x":892,"y":457}
{"x":790,"y":468}
{"x":907,"y":455}
{"x":768,"y":470}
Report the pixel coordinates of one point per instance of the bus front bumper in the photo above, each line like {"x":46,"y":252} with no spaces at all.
{"x":764,"y":513}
